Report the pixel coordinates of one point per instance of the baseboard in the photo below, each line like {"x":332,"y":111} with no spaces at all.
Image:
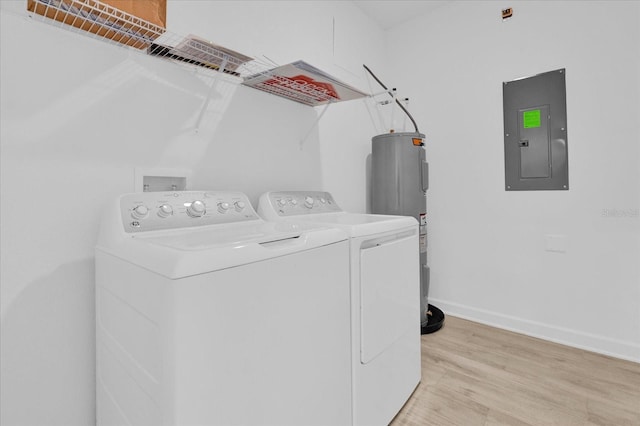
{"x":594,"y":343}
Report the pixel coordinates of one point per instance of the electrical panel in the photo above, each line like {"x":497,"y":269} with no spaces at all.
{"x":535,"y":132}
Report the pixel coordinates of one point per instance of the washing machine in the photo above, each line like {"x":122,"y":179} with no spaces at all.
{"x":385,"y":297}
{"x":208,"y":315}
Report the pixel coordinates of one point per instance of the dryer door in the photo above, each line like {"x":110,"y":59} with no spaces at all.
{"x":389,"y":292}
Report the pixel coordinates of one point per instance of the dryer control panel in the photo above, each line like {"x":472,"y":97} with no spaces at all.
{"x":293,"y":203}
{"x":151,"y":211}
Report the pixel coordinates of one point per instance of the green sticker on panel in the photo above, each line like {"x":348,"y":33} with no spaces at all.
{"x":531,"y":118}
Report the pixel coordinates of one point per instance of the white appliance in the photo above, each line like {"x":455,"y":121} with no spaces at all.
{"x":385,"y":302}
{"x":208,"y":315}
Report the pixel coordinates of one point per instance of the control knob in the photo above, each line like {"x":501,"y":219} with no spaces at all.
{"x":196,"y":209}
{"x":165,"y":211}
{"x":139,"y":212}
{"x":223,"y":207}
{"x":239,"y":206}
{"x":308,"y":202}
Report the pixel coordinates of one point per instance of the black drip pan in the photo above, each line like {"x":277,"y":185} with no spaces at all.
{"x":436,"y":320}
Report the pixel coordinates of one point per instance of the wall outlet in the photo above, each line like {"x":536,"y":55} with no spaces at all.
{"x":555,"y":243}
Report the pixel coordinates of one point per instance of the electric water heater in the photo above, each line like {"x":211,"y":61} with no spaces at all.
{"x":399,"y":183}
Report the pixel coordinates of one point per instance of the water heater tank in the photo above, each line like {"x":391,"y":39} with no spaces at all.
{"x":399,"y":183}
{"x":400,"y":175}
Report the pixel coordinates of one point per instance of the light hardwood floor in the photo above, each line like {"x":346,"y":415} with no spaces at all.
{"x":473,"y":374}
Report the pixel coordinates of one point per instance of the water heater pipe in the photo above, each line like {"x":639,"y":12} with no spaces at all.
{"x":415,"y":126}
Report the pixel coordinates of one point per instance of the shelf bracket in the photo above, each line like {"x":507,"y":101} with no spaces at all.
{"x":315,"y":123}
{"x":205,"y":104}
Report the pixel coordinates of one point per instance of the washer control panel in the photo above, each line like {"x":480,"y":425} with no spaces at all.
{"x":297,"y":203}
{"x":151,"y":211}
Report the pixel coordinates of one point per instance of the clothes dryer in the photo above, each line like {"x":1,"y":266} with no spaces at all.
{"x":207,"y":314}
{"x":385,"y":303}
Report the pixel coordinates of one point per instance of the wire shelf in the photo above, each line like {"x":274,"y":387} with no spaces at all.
{"x":303,"y":83}
{"x":199,"y":52}
{"x":298,"y":81}
{"x":106,"y":22}
{"x":100,"y":19}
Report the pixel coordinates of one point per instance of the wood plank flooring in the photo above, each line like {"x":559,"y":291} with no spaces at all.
{"x":473,"y":374}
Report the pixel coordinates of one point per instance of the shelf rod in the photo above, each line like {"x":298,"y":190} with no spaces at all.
{"x":391,"y":92}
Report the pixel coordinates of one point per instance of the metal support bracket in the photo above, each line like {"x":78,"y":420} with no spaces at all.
{"x":205,"y":104}
{"x":315,"y":123}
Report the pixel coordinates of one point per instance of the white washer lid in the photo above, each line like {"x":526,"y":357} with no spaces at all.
{"x":180,"y":253}
{"x":211,"y":237}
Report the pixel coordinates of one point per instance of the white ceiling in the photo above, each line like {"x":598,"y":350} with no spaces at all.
{"x":389,"y":13}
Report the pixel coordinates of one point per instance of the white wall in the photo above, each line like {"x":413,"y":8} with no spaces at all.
{"x":79,"y":115}
{"x":334,"y":36}
{"x":486,"y":245}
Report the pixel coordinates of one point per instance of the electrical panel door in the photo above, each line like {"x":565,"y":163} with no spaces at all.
{"x":535,"y":132}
